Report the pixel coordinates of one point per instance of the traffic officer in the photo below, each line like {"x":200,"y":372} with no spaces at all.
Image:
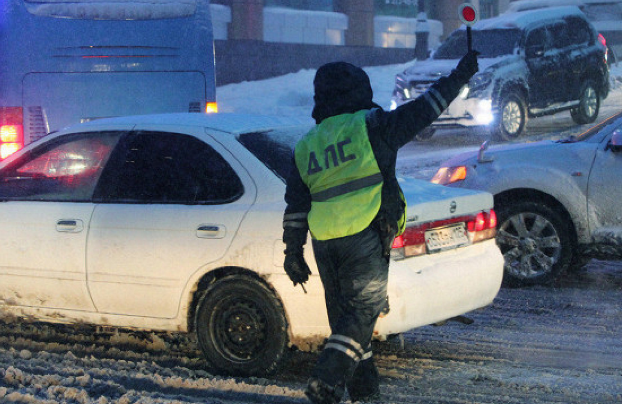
{"x":343,"y":190}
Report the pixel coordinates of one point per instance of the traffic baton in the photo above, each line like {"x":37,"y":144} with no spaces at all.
{"x":469,"y":16}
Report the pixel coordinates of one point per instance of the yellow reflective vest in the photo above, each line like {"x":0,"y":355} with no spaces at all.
{"x":337,"y":163}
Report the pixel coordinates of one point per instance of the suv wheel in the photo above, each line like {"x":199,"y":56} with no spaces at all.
{"x":535,"y":242}
{"x":589,"y":104}
{"x":512,"y":118}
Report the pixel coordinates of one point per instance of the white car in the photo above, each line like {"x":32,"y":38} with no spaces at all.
{"x":558,"y":202}
{"x":174,"y":223}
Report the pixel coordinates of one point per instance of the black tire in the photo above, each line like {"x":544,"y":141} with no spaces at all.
{"x":241,"y":327}
{"x":589,"y":104}
{"x":425,"y":134}
{"x":511,"y":118}
{"x":535,"y":242}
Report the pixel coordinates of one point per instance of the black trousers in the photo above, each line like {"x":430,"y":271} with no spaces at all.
{"x":354,"y":271}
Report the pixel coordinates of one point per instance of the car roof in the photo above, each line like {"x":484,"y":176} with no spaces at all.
{"x":224,"y":122}
{"x":522,"y":5}
{"x":523,"y":19}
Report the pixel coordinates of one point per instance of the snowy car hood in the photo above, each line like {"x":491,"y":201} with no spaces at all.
{"x":427,"y":202}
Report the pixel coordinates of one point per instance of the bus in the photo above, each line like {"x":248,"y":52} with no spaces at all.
{"x":69,"y":61}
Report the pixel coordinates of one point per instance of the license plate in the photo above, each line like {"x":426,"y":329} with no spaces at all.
{"x":446,"y":238}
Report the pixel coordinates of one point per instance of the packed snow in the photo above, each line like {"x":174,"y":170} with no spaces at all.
{"x":292,"y":94}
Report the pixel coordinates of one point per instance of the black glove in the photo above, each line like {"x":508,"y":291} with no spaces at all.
{"x":296,"y":267}
{"x":467,"y":67}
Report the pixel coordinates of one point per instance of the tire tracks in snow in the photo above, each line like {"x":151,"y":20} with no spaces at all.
{"x":558,"y":344}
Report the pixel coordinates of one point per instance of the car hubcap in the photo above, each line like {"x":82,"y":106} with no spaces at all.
{"x":530,"y":245}
{"x":240,"y":330}
{"x":512,"y":117}
{"x":590,"y":102}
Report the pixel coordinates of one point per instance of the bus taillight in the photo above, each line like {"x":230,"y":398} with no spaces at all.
{"x":11,"y":131}
{"x":211,"y":107}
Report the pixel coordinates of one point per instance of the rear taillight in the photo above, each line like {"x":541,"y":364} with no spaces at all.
{"x":603,"y":42}
{"x":11,"y":131}
{"x":211,"y":107}
{"x":205,"y":107}
{"x":478,"y":227}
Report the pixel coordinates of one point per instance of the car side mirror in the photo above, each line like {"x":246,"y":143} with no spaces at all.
{"x":615,"y":144}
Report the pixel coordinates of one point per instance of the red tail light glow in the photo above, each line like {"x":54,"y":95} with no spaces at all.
{"x":603,"y":42}
{"x":11,"y":131}
{"x":479,"y":227}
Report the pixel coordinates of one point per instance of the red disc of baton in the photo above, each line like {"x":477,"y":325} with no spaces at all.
{"x":468,"y":14}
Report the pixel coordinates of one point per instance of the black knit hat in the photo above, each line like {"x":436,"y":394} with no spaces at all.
{"x":341,"y":88}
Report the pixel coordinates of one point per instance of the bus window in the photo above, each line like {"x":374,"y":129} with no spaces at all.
{"x":65,"y":62}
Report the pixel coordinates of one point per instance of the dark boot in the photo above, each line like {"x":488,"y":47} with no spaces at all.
{"x":364,"y":384}
{"x":319,"y":392}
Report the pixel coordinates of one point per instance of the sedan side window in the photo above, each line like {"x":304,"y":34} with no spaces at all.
{"x":155,"y":167}
{"x":60,"y":170}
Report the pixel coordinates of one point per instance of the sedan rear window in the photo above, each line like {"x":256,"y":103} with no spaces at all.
{"x":274,"y":148}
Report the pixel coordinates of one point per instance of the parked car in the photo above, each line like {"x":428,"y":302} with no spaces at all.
{"x":558,"y":202}
{"x":606,"y":15}
{"x":532,"y":63}
{"x":174,"y":223}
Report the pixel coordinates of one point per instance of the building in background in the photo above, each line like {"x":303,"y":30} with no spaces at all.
{"x":261,"y":38}
{"x":380,"y":23}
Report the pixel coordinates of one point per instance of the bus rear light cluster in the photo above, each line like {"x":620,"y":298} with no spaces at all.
{"x":11,"y":130}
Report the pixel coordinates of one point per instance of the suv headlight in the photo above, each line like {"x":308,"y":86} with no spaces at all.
{"x":401,"y":87}
{"x":449,"y":175}
{"x":478,"y":83}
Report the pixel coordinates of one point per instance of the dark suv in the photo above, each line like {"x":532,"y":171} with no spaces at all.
{"x":532,"y":63}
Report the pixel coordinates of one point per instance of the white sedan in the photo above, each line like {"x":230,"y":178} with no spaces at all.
{"x":174,"y":223}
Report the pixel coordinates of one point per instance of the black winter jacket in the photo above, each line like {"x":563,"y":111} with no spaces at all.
{"x":387,"y":131}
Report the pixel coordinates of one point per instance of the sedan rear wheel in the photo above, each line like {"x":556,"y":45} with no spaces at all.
{"x":535,"y":243}
{"x":241,"y":327}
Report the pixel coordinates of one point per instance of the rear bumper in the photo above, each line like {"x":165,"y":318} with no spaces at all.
{"x":428,"y":289}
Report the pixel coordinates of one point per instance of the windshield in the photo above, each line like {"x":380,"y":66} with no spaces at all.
{"x":489,"y":43}
{"x":274,"y":148}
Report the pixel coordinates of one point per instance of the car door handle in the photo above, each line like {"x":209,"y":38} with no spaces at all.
{"x":69,"y":225}
{"x":211,"y":231}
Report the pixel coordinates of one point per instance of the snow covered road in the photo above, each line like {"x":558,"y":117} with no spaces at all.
{"x":559,"y":344}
